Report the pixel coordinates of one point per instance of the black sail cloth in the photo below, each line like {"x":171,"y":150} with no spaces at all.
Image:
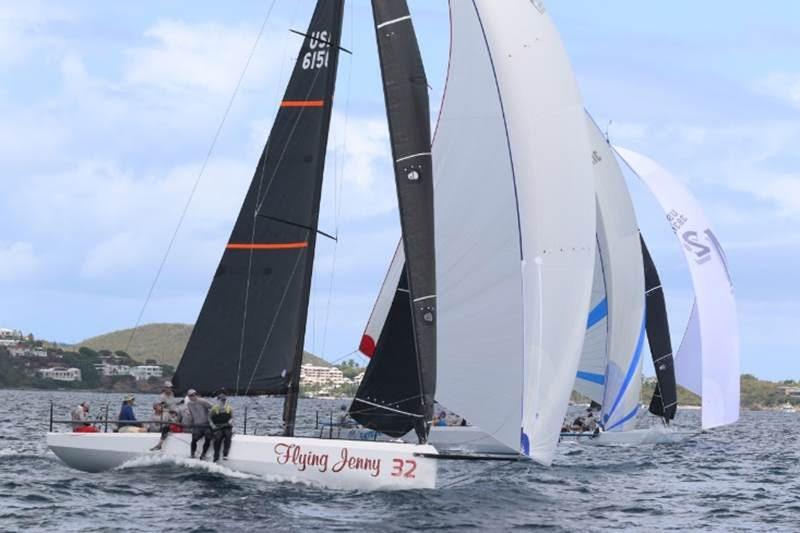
{"x":248,"y":338}
{"x":385,"y":400}
{"x":665,"y":398}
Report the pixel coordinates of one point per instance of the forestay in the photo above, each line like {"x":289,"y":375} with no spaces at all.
{"x":707,"y":362}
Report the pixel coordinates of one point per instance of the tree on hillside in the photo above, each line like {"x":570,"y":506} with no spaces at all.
{"x":89,"y":353}
{"x":350,"y":369}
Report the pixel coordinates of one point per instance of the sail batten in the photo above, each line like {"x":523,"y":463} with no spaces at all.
{"x":248,"y":337}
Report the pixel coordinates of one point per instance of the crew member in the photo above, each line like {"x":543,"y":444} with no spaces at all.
{"x":163,"y":422}
{"x":221,"y":421}
{"x":198,"y":408}
{"x":80,"y":417}
{"x":127,"y":418}
{"x":168,"y":397}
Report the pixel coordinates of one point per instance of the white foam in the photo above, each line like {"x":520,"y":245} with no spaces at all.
{"x":208,"y":466}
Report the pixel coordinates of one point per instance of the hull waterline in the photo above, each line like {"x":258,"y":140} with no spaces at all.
{"x":634,"y":437}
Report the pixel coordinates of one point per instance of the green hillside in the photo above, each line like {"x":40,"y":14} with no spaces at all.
{"x":163,"y":342}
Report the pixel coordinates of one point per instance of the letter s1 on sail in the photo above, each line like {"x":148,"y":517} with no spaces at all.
{"x":512,"y":158}
{"x":714,"y":337}
{"x":248,"y":338}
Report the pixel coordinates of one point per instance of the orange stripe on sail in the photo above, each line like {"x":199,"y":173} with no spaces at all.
{"x":273,"y":246}
{"x":303,"y":103}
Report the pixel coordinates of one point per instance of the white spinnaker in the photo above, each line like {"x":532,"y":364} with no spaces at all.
{"x":480,"y":308}
{"x":713,"y":339}
{"x":621,"y":253}
{"x":591,"y":377}
{"x":551,"y":153}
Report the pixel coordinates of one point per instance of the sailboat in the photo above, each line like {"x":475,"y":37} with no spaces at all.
{"x":627,"y":303}
{"x":248,"y":338}
{"x":511,"y":155}
{"x":707,"y":361}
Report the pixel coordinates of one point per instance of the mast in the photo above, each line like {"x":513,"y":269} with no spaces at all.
{"x":407,"y":109}
{"x":665,"y":398}
{"x":326,"y":23}
{"x":248,"y":337}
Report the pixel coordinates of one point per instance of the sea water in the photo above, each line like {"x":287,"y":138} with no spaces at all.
{"x":742,"y":477}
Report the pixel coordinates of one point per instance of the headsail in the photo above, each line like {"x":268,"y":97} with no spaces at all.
{"x":248,"y":338}
{"x":590,"y":380}
{"x":491,"y":165}
{"x":512,"y":156}
{"x":714,"y":338}
{"x":665,"y":398}
{"x":621,"y":253}
{"x":406,"y":92}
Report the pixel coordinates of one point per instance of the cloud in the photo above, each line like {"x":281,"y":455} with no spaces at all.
{"x":22,"y":29}
{"x":783,"y":86}
{"x":189,"y":57}
{"x":17,"y":262}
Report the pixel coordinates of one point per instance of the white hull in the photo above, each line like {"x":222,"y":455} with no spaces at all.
{"x":634,"y":437}
{"x":337,"y":464}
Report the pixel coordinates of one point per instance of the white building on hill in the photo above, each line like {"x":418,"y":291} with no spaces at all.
{"x":142,"y":372}
{"x":321,"y":375}
{"x":9,"y":337}
{"x":106,"y":369}
{"x":26,"y":351}
{"x":61,"y":374}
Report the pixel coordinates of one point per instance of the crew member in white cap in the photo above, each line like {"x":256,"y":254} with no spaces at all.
{"x":168,"y":397}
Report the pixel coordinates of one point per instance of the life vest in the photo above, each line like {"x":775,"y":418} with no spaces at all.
{"x":221,"y":415}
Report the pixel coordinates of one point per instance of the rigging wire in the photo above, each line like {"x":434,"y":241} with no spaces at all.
{"x":200,"y":175}
{"x":338,"y":182}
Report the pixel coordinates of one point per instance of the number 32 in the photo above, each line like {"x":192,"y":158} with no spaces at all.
{"x":404,"y":468}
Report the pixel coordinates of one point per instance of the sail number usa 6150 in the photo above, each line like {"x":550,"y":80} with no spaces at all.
{"x":317,"y":56}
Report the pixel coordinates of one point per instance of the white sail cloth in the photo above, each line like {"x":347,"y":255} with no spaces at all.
{"x":511,"y":156}
{"x":512,"y":140}
{"x":590,"y":379}
{"x":621,"y":255}
{"x":707,"y":362}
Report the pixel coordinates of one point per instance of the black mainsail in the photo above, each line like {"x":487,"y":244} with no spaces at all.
{"x":397,"y":392}
{"x":665,"y":398}
{"x":248,"y":338}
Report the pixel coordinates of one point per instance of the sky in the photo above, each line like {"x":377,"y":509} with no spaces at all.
{"x":107,"y":112}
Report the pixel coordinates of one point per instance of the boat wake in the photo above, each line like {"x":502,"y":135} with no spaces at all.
{"x":210,"y":467}
{"x":185,"y":462}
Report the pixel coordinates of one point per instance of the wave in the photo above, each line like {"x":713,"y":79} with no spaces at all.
{"x":186,"y":462}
